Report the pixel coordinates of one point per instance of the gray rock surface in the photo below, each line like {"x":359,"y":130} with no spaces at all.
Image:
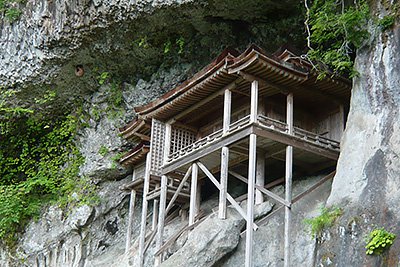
{"x":367,"y":180}
{"x":212,"y":240}
{"x":51,"y":32}
{"x":85,"y":237}
{"x":269,"y":238}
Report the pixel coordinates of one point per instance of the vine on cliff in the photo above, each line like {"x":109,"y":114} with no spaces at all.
{"x":39,"y":165}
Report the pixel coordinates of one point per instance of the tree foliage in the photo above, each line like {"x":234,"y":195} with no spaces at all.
{"x":336,"y":30}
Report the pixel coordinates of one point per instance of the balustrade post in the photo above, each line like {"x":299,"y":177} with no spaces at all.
{"x":254,"y":101}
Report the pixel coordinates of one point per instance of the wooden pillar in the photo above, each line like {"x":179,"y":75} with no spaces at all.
{"x":193,"y":194}
{"x":198,"y":197}
{"x":289,"y":113}
{"x":224,"y":183}
{"x":252,"y":177}
{"x":288,"y":180}
{"x":155,"y":215}
{"x":144,"y":210}
{"x":131,"y":212}
{"x":260,"y":176}
{"x":167,"y":141}
{"x":227,"y":111}
{"x":341,"y":121}
{"x":161,"y":218}
{"x":254,"y":101}
{"x":225,"y":156}
{"x":250,"y":200}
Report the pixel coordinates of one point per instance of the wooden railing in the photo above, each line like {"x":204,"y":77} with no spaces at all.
{"x":272,"y":124}
{"x":318,"y":139}
{"x":237,"y":125}
{"x":262,"y":121}
{"x":298,"y":132}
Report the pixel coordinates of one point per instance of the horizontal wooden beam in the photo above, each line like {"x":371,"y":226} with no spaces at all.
{"x":142,"y":136}
{"x":295,"y":142}
{"x":286,"y":89}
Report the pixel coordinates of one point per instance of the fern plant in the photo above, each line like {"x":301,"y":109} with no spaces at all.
{"x":324,"y":220}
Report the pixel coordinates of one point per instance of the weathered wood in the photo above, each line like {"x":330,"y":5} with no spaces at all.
{"x":285,"y":89}
{"x":227,"y":111}
{"x":295,"y":142}
{"x":204,"y":101}
{"x":288,"y":180}
{"x":224,"y":182}
{"x":250,"y":199}
{"x":209,"y":148}
{"x":142,"y":136}
{"x":289,"y":113}
{"x":130,"y":222}
{"x":276,"y":182}
{"x":228,"y":196}
{"x":254,"y":101}
{"x":288,"y":198}
{"x":193,"y":193}
{"x":144,"y":211}
{"x":178,"y":190}
{"x":297,"y":198}
{"x":198,"y":197}
{"x":149,"y":240}
{"x":261,"y":189}
{"x":131,"y":213}
{"x":155,"y":215}
{"x":260,"y":177}
{"x":161,"y":218}
{"x":167,"y":147}
{"x":262,"y":82}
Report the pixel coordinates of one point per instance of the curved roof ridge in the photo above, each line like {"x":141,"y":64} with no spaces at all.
{"x":222,"y":59}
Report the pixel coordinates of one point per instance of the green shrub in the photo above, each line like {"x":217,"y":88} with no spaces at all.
{"x":39,"y":165}
{"x":324,"y":220}
{"x":378,"y":241}
{"x":386,"y":22}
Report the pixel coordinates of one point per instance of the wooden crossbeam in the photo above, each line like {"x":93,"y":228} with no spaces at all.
{"x":262,"y":189}
{"x":178,"y":190}
{"x":295,"y":199}
{"x":228,"y":196}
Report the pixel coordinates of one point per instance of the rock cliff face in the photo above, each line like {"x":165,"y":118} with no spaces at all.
{"x":367,"y":181}
{"x":128,"y":39}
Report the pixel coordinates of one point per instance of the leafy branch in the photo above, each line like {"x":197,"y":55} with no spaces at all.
{"x":335,"y":30}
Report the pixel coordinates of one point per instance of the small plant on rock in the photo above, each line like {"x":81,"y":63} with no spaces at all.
{"x":324,"y":220}
{"x":103,"y":151}
{"x":378,"y":241}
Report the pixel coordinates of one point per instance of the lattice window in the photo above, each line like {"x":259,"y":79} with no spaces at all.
{"x":180,"y":138}
{"x":157,"y":146}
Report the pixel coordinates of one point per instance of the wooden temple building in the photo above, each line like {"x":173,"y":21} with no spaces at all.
{"x":242,"y":116}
